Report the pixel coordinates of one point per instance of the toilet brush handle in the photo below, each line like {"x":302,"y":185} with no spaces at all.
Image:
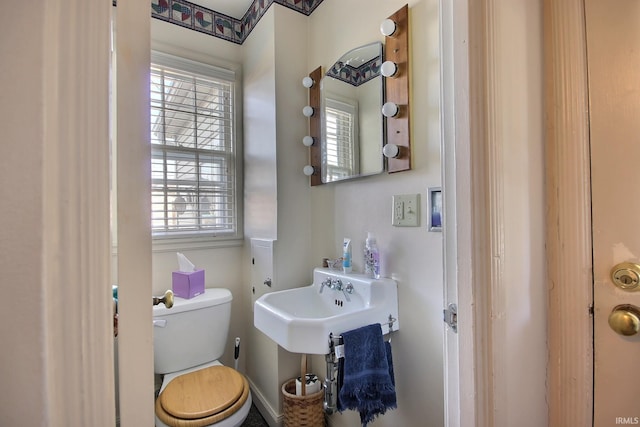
{"x":236,"y":353}
{"x":303,"y":377}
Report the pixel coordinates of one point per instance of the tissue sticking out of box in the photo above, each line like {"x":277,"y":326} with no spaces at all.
{"x":187,"y":282}
{"x":184,"y":264}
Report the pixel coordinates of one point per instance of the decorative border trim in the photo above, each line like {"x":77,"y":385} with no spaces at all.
{"x":303,"y":6}
{"x":216,"y":24}
{"x":356,"y":76}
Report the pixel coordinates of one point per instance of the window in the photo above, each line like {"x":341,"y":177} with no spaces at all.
{"x":341,"y":139}
{"x":193,"y":150}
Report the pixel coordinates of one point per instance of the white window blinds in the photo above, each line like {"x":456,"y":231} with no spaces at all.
{"x":193,"y":153}
{"x":341,"y":139}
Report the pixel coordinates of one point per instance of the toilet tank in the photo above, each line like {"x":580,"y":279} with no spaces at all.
{"x":192,"y":332}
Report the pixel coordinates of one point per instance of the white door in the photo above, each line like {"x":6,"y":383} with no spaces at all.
{"x":613,"y":55}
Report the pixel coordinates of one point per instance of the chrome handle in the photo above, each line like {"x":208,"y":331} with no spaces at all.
{"x":167,"y":299}
{"x":347,"y":290}
{"x":160,"y":323}
{"x":326,"y":282}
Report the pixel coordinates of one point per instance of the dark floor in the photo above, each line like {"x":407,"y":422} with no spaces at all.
{"x":254,"y":419}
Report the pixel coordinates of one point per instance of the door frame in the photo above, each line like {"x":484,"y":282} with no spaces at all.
{"x":569,"y":244}
{"x":471,"y":52}
{"x":134,"y":264}
{"x":461,"y":350}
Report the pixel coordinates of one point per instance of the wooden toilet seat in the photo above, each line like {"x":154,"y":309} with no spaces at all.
{"x":203,"y":397}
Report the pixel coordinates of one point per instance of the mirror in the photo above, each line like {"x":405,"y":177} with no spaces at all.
{"x":352,"y":129}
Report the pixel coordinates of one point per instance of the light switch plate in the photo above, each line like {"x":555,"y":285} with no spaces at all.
{"x":406,"y":210}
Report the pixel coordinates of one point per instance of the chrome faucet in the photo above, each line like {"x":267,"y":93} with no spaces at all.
{"x":346,"y":290}
{"x":336,"y":284}
{"x":325,"y":282}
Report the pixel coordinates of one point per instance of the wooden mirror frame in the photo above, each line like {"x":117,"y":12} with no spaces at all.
{"x":396,"y":49}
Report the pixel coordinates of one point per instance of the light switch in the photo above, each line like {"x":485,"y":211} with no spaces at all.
{"x":406,"y":210}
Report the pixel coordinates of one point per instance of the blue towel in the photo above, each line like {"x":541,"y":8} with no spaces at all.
{"x":368,"y":383}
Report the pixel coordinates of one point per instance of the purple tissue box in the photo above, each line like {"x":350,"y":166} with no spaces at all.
{"x":188,"y":285}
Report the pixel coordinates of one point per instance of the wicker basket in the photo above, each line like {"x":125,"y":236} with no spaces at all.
{"x":302,"y":411}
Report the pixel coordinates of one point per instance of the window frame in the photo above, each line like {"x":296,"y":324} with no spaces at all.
{"x":168,"y":241}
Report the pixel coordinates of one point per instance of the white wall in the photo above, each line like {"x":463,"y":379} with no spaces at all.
{"x":293,"y":260}
{"x":277,"y":196}
{"x":412,"y":256}
{"x":260,"y":154}
{"x":261,"y":193}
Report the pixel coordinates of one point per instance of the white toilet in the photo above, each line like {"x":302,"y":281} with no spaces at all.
{"x":197,"y":390}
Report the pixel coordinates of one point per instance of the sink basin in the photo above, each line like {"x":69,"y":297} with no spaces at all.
{"x":301,"y":319}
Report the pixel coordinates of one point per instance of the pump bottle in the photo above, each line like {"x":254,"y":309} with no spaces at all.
{"x":371,"y":257}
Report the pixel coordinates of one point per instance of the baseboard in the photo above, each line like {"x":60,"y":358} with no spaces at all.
{"x":270,"y":416}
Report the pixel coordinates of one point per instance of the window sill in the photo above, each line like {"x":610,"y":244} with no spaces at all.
{"x":160,"y":244}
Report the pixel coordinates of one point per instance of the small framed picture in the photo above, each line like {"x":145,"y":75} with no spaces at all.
{"x":435,"y":209}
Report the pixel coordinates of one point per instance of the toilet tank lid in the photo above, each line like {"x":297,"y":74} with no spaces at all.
{"x":211,"y":297}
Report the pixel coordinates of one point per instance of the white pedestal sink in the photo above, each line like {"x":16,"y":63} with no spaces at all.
{"x":301,"y":319}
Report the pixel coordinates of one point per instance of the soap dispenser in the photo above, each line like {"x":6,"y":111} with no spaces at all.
{"x":371,"y":257}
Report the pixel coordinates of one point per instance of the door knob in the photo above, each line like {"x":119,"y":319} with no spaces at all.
{"x":626,"y":276}
{"x":625,"y":319}
{"x":167,"y":299}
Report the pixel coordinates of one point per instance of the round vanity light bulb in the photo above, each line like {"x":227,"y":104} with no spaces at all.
{"x":307,"y":82}
{"x":388,"y":68}
{"x":390,"y":109}
{"x":307,"y":141}
{"x":307,"y":111}
{"x":308,"y":170}
{"x":391,"y":151}
{"x":388,"y":27}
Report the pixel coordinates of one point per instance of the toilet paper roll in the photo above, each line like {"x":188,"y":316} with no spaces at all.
{"x":312,"y":385}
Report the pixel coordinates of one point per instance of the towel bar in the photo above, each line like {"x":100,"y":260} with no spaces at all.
{"x":390,"y":321}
